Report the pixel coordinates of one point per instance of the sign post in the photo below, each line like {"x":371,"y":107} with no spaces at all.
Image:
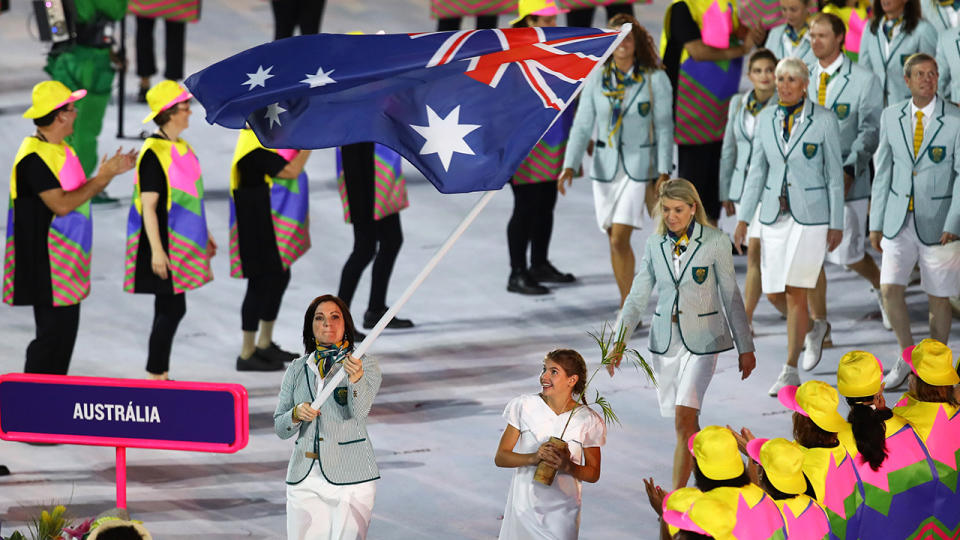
{"x":124,"y":413}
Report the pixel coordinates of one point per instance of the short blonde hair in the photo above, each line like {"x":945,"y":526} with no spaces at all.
{"x":679,"y":189}
{"x":916,"y":59}
{"x":793,"y":66}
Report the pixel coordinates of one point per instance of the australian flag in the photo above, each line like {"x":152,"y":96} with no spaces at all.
{"x":463,"y":107}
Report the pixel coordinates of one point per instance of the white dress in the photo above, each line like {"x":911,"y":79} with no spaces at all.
{"x":536,"y":511}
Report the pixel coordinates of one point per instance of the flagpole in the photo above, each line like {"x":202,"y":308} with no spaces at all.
{"x":338,"y":376}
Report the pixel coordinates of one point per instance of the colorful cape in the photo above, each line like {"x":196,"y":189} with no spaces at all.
{"x":186,"y":217}
{"x":289,"y":207}
{"x":69,"y":237}
{"x":758,"y":517}
{"x":804,"y":518}
{"x":834,"y":478}
{"x":390,"y":188}
{"x":173,"y":10}
{"x":545,"y":160}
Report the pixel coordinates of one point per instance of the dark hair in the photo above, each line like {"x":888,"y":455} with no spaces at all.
{"x":810,"y":435}
{"x":778,"y":495}
{"x":690,"y":535}
{"x":526,"y":21}
{"x":911,"y":16}
{"x":124,"y":532}
{"x":705,"y":483}
{"x":933,"y":393}
{"x":349,"y":330}
{"x":836,"y":24}
{"x":48,"y":118}
{"x":644,"y":50}
{"x":163,"y":117}
{"x":869,"y":430}
{"x":761,"y":54}
{"x":572,"y":364}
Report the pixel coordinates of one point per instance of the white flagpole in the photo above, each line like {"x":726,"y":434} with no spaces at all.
{"x":335,"y":378}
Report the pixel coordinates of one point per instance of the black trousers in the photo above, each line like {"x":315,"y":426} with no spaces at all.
{"x":51,"y":350}
{"x":583,"y":17}
{"x":168,"y":310}
{"x":377,"y":241}
{"x":262,"y":301}
{"x":175,"y":36}
{"x":288,"y":15}
{"x":700,"y":164}
{"x":531,"y":223}
{"x":453,"y":23}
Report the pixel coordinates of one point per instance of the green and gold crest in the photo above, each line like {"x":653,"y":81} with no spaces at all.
{"x":340,"y":395}
{"x":842,"y":110}
{"x":810,"y":149}
{"x":700,"y":274}
{"x":937,"y":153}
{"x":643,"y":108}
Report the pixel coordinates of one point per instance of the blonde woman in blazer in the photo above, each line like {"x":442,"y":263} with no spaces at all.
{"x":889,"y":39}
{"x":630,"y":103}
{"x":331,"y":474}
{"x":797,"y":172}
{"x":735,"y":161}
{"x":699,"y":311}
{"x":792,"y":38}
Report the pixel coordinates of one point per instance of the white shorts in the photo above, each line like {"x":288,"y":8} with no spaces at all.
{"x":939,"y":265}
{"x":682,"y":376}
{"x":317,"y":509}
{"x":792,"y":254}
{"x":853,"y":246}
{"x":620,"y":201}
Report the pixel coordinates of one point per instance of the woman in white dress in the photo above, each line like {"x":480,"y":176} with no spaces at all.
{"x":535,"y":510}
{"x":630,"y":104}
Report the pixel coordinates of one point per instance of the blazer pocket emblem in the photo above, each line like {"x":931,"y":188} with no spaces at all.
{"x":810,"y":150}
{"x":340,"y":395}
{"x":700,"y":274}
{"x":842,"y":110}
{"x":643,"y":108}
{"x":937,"y":153}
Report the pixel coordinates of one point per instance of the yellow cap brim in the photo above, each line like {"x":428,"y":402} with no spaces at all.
{"x":184,"y":96}
{"x":43,"y":110}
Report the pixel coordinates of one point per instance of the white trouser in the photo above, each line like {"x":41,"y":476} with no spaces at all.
{"x":319,"y":510}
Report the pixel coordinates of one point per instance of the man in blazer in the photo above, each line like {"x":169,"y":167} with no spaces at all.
{"x":914,"y":216}
{"x":850,"y":91}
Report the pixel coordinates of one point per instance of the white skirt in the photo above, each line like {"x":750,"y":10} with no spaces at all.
{"x":620,"y":201}
{"x":682,"y":376}
{"x":319,"y":510}
{"x":792,"y":254}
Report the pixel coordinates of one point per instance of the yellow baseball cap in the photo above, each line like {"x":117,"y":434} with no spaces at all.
{"x":49,"y":96}
{"x":932,"y":361}
{"x":708,"y":514}
{"x":860,"y":374}
{"x":537,"y":7}
{"x":817,"y":400}
{"x":782,"y":462}
{"x":678,"y":501}
{"x":716,"y":452}
{"x":163,"y":95}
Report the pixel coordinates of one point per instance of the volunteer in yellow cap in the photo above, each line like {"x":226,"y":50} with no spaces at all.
{"x":719,"y":471}
{"x":168,"y":245}
{"x":545,"y":11}
{"x":896,"y":472}
{"x":932,"y":378}
{"x":826,"y":463}
{"x":49,"y":228}
{"x":781,"y":476}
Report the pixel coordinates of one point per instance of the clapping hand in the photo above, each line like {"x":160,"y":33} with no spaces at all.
{"x":655,"y":494}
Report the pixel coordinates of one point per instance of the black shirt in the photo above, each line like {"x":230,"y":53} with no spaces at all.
{"x":683,"y":30}
{"x":152,"y":179}
{"x":31,"y":224}
{"x":256,"y":241}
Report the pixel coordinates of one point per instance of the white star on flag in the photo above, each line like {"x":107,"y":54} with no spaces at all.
{"x":273,"y":114}
{"x":444,"y":136}
{"x":319,"y":78}
{"x":259,"y":78}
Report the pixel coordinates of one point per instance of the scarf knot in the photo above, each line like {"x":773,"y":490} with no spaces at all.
{"x":754,"y":106}
{"x":328,"y":355}
{"x":681,"y":241}
{"x":615,"y":84}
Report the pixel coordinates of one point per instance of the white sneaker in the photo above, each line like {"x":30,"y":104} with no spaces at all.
{"x":883,"y":310}
{"x":814,"y":342}
{"x":896,"y":376}
{"x":789,"y":376}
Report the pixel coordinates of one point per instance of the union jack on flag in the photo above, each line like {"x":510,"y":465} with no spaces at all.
{"x":465,"y":108}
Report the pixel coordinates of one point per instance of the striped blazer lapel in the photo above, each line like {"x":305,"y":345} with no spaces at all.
{"x":697,"y":235}
{"x":841,"y":84}
{"x":933,"y":127}
{"x":666,"y":249}
{"x":797,"y":134}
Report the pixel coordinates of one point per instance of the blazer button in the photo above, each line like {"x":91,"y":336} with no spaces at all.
{"x":914,"y":173}
{"x":320,"y":438}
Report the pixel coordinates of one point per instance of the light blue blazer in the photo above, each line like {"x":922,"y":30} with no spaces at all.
{"x":809,"y":163}
{"x":735,"y":155}
{"x":775,"y":44}
{"x":889,"y":67}
{"x":644,"y":143}
{"x":935,"y":15}
{"x":339,"y":433}
{"x":706,"y":295}
{"x":853,"y":97}
{"x":931,"y":179}
{"x":948,"y":64}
